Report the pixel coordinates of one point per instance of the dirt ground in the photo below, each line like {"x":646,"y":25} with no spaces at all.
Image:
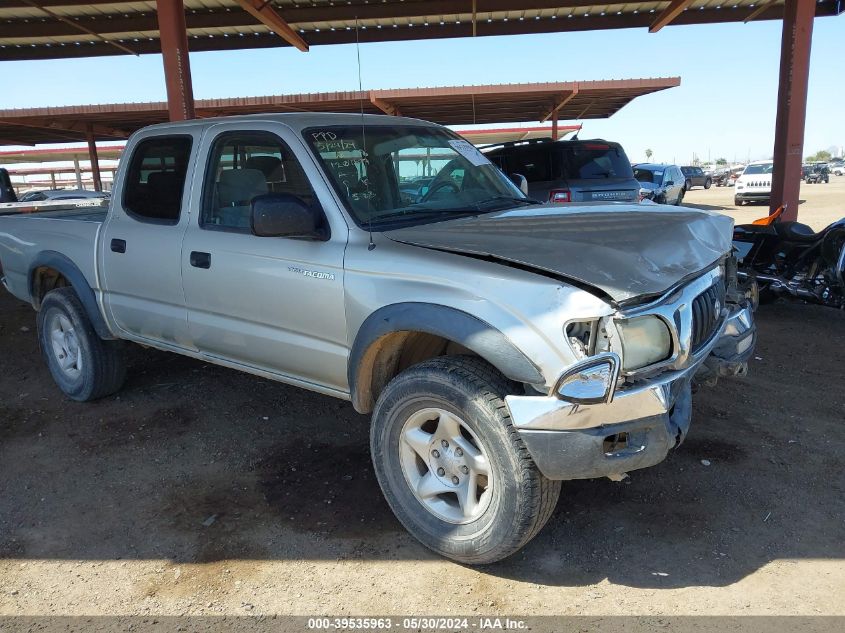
{"x":201,"y":490}
{"x":819,"y":205}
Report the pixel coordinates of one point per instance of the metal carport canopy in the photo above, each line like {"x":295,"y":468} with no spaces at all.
{"x":44,"y":29}
{"x":452,"y":105}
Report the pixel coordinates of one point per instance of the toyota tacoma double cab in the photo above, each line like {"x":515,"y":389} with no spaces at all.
{"x":501,"y":345}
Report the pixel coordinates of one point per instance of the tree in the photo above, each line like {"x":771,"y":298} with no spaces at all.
{"x":822,"y":156}
{"x":721,"y":161}
{"x":648,"y":154}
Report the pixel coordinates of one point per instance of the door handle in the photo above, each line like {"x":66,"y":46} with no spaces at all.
{"x":118,"y":246}
{"x":200,"y":260}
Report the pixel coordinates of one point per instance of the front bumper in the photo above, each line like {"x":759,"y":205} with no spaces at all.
{"x":642,"y":421}
{"x":753,"y":196}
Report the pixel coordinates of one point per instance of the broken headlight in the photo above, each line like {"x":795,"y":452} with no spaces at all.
{"x":645,"y":340}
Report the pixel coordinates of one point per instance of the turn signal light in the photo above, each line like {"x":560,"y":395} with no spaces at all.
{"x":560,"y":196}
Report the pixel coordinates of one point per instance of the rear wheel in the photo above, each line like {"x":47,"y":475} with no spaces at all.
{"x":84,"y":366}
{"x":452,"y":467}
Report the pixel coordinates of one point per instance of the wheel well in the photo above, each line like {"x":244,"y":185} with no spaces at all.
{"x":393,"y":353}
{"x":45,"y":279}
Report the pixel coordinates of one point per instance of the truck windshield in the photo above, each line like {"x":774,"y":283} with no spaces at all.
{"x":409,"y":174}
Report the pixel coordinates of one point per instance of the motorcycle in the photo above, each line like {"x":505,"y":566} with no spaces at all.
{"x":789,"y":259}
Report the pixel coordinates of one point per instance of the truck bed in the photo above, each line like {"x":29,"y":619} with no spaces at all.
{"x":27,"y":239}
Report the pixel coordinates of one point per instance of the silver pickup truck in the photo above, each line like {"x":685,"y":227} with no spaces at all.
{"x":502,"y":346}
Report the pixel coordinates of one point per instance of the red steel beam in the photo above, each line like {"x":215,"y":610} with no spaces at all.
{"x":94,"y":159}
{"x":792,"y":105}
{"x":264,"y":13}
{"x":177,"y":67}
{"x":675,"y":8}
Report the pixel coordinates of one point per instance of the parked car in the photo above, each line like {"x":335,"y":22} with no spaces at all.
{"x":818,"y":173}
{"x":563,"y":172}
{"x":695,"y":177}
{"x":664,"y":184}
{"x":61,"y":194}
{"x":837,"y":167}
{"x":415,"y":188}
{"x":7,"y":192}
{"x":720,"y":176}
{"x":501,"y":345}
{"x":755,"y":183}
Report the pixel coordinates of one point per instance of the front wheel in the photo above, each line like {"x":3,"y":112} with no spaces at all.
{"x":708,"y":183}
{"x":452,"y":467}
{"x":84,"y":366}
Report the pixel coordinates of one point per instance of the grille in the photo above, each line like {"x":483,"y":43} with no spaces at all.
{"x":706,"y":309}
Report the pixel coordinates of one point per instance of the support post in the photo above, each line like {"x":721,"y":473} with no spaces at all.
{"x":792,"y":105}
{"x":94,"y":159}
{"x":78,"y":172}
{"x":52,"y":180}
{"x":555,"y":135}
{"x":174,"y":50}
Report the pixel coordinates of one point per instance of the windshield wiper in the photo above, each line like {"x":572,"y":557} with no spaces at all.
{"x":527,"y":201}
{"x":421,"y":213}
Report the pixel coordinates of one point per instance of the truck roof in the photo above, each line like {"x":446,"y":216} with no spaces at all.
{"x":297,"y":120}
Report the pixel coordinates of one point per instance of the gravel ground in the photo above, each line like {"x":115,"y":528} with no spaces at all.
{"x":200,"y":490}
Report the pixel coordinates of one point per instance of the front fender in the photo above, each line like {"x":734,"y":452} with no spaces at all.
{"x":452,"y":324}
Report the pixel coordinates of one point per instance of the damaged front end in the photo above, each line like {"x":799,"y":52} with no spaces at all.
{"x":629,"y":401}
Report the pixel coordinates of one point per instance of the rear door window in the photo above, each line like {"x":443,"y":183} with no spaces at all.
{"x":155,"y":180}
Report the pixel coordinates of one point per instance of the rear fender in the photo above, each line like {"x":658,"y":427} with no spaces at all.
{"x":70,"y":271}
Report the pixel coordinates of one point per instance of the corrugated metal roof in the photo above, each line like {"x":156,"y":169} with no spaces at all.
{"x":73,"y":28}
{"x":452,"y":105}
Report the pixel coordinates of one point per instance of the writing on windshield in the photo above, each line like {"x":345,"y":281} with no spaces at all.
{"x":408,"y":173}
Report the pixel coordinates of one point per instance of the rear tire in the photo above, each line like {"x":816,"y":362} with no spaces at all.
{"x":84,"y":366}
{"x":417,"y":454}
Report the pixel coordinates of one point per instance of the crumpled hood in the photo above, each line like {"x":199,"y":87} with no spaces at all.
{"x":625,"y":250}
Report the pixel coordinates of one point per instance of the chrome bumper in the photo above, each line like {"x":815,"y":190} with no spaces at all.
{"x":641,"y":423}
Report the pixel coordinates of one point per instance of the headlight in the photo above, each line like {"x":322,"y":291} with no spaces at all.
{"x":645,"y":341}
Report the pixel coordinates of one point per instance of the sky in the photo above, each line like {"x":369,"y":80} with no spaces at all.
{"x":725,"y":106}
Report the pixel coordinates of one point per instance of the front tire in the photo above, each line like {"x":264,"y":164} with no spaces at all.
{"x":451,"y":465}
{"x":84,"y":366}
{"x":708,"y":183}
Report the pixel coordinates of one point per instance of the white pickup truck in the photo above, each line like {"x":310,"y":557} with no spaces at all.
{"x":501,"y":345}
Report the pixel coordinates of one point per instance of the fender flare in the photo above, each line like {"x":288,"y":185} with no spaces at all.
{"x":70,"y":271}
{"x":450,"y":323}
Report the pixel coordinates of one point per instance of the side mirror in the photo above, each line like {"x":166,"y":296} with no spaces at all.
{"x":591,"y":381}
{"x":284,"y":215}
{"x":520,"y":181}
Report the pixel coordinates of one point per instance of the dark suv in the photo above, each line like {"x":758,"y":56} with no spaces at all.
{"x":569,"y":171}
{"x":695,"y":177}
